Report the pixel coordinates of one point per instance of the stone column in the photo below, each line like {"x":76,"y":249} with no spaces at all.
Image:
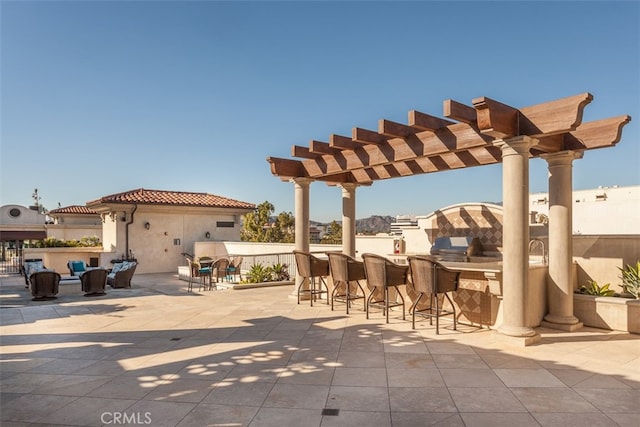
{"x":560,"y":283}
{"x":515,"y":237}
{"x":349,"y":219}
{"x":301,"y":214}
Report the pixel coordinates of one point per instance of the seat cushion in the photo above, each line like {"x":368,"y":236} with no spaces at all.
{"x":77,"y":266}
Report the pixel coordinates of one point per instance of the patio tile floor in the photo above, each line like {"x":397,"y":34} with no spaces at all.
{"x":155,"y":355}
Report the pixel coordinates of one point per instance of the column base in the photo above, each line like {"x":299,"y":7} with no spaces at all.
{"x":516,"y":331}
{"x":562,"y":326}
{"x":521,"y":341}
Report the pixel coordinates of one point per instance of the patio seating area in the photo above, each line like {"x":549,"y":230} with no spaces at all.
{"x":156,"y":353}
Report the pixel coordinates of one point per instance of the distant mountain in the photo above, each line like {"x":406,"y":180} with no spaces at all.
{"x":372,"y":225}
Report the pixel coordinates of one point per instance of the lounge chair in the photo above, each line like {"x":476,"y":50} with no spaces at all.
{"x":121,"y":274}
{"x":77,"y":267}
{"x":44,"y":285}
{"x":30,"y":266}
{"x":94,"y":281}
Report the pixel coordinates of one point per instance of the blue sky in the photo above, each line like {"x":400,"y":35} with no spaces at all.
{"x":103,"y":97}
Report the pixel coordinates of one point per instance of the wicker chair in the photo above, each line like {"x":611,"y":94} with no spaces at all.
{"x":44,"y":285}
{"x":429,"y":277}
{"x":219,"y":269}
{"x":94,"y":282}
{"x":234,"y":267}
{"x":346,"y":272}
{"x":383,"y":274}
{"x":196,"y":271}
{"x":309,"y":268}
{"x":121,"y":274}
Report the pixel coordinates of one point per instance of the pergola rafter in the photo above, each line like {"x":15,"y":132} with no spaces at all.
{"x":465,"y":138}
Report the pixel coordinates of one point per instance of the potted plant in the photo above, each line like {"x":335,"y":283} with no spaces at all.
{"x":601,"y":307}
{"x":630,"y":277}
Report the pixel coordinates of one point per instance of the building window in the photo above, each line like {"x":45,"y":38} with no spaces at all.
{"x":225,"y":224}
{"x":15,"y":213}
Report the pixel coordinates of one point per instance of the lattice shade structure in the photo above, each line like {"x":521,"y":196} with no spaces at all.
{"x":464,"y":139}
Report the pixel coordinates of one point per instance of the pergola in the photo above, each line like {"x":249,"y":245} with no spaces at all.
{"x":484,"y":133}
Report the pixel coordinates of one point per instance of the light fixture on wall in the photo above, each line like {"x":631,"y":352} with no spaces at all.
{"x":207,"y":235}
{"x":147,"y":225}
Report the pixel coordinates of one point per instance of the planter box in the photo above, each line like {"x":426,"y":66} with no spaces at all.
{"x":615,"y":313}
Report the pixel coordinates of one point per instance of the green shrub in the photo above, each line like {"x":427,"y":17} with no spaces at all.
{"x":52,"y":242}
{"x":258,"y":273}
{"x":592,"y":288}
{"x":631,"y":279}
{"x":279,"y":272}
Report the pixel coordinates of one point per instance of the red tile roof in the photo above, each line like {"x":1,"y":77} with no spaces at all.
{"x":74,"y":209}
{"x":172,"y":198}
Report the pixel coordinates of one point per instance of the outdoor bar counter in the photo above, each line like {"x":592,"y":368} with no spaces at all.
{"x":479,"y":294}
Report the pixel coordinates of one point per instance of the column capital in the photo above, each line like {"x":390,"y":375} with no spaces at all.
{"x":516,"y":145}
{"x":348,"y":185}
{"x":301,"y":181}
{"x":562,"y":157}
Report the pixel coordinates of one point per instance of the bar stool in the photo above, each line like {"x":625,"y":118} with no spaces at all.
{"x":383,"y":274}
{"x":429,"y":277}
{"x":310,"y":268}
{"x":344,"y":271}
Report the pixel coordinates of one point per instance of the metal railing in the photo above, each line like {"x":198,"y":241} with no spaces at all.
{"x":270,"y":259}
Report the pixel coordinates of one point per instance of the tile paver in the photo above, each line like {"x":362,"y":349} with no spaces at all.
{"x":256,"y":358}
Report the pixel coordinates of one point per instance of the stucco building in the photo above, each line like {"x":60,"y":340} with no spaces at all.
{"x":158,"y":227}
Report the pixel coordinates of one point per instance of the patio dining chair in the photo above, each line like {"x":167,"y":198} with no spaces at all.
{"x":382,"y":275}
{"x":346,"y":273}
{"x":234,"y":268}
{"x":431,"y":278}
{"x":219,"y":270}
{"x":198,"y":272}
{"x":311,"y":268}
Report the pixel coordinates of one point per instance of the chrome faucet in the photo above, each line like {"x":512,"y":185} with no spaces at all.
{"x":532,"y":243}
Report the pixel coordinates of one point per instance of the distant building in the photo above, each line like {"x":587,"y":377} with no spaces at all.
{"x":598,"y":211}
{"x":74,"y":223}
{"x":157,"y":227}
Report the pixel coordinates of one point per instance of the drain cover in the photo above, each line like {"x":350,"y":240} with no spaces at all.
{"x":332,"y":412}
{"x":175,"y":339}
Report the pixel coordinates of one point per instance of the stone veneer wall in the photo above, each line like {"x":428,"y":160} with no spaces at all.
{"x":470,"y":220}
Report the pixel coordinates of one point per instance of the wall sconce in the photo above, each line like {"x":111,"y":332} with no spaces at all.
{"x":207,"y":235}
{"x":147,"y":225}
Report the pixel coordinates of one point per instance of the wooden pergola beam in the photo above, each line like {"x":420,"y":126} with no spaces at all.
{"x":343,"y":142}
{"x":394,"y":130}
{"x":550,"y":118}
{"x":366,"y":136}
{"x":598,"y":134}
{"x":422,"y":121}
{"x":304,"y":152}
{"x":320,"y":147}
{"x":286,"y":167}
{"x":430,"y":144}
{"x":458,"y":111}
{"x":495,"y":118}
